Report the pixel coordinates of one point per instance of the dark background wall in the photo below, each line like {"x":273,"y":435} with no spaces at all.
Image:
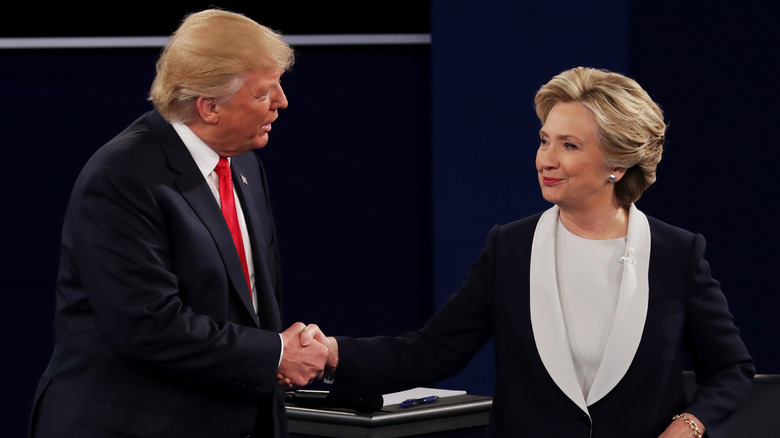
{"x":393,"y":161}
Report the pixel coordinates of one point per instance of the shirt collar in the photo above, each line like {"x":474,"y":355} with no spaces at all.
{"x":205,"y":157}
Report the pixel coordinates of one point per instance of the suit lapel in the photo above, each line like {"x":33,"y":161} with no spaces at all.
{"x":631,"y":312}
{"x":198,"y":195}
{"x":546,"y":314}
{"x":250,"y":188}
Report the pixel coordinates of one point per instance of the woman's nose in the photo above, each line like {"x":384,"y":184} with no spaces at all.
{"x":546,"y":157}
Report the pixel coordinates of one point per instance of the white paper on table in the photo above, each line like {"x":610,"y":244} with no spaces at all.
{"x":395,"y":398}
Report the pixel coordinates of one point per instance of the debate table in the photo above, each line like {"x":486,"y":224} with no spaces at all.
{"x":460,"y":416}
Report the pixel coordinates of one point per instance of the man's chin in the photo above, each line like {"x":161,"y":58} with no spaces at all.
{"x":260,"y":142}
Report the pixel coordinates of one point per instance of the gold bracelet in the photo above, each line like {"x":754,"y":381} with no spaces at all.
{"x":694,"y":427}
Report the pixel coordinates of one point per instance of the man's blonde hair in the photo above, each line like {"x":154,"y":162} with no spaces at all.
{"x":209,"y":56}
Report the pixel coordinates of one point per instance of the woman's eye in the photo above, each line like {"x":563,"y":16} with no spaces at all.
{"x":542,"y":142}
{"x":569,"y":146}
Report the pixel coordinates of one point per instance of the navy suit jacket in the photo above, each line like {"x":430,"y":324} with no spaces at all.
{"x":686,"y":311}
{"x":156,"y":335}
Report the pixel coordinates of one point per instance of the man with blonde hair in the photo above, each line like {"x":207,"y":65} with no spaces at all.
{"x":168,"y":294}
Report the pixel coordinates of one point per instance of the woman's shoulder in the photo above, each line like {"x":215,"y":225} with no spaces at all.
{"x":526,"y":223}
{"x":659,"y":227}
{"x":514,"y":233}
{"x":671,"y":239}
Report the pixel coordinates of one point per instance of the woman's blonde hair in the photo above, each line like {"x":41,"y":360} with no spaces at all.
{"x":209,"y":56}
{"x":631,"y":127}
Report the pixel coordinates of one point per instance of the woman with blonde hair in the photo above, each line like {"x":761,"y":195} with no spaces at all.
{"x":591,"y":303}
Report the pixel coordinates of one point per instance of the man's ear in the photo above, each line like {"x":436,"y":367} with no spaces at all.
{"x":207,"y":110}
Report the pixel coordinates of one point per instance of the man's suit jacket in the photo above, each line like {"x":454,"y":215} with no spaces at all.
{"x":156,"y":335}
{"x":685,"y":310}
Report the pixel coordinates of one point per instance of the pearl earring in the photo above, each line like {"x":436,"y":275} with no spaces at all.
{"x":612,"y":178}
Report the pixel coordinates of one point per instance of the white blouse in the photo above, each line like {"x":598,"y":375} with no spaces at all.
{"x":588,"y":275}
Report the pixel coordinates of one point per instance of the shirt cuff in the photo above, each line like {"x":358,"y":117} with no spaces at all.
{"x":281,"y":351}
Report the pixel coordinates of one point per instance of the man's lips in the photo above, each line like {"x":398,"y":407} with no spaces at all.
{"x":267,"y":126}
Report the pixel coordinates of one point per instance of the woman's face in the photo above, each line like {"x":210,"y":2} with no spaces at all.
{"x":572,"y":170}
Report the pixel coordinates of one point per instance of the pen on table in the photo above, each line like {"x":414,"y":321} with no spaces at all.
{"x":418,"y":401}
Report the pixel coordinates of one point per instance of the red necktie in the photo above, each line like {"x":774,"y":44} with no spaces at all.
{"x":229,"y":211}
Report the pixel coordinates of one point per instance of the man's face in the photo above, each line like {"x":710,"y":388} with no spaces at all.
{"x":244,"y":121}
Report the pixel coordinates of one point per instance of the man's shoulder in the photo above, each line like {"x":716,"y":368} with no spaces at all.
{"x":137,"y":150}
{"x":148,"y":124}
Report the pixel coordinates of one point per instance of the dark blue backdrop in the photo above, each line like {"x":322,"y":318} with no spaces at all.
{"x":392,"y":162}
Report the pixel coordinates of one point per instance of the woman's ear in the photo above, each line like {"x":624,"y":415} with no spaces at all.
{"x":619,"y":172}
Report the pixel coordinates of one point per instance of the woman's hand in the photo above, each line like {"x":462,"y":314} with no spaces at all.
{"x":681,"y":429}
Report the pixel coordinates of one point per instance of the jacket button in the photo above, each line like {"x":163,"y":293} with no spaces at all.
{"x":585,"y":420}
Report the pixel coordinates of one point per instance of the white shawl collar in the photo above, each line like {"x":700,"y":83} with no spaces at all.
{"x":547,"y":315}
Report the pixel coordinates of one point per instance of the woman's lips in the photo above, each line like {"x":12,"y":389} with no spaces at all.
{"x":550,"y":181}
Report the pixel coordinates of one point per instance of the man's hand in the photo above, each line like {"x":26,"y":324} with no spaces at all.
{"x":311,"y":333}
{"x":302,"y":363}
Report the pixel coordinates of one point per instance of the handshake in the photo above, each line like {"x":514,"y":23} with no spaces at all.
{"x":308,"y":355}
